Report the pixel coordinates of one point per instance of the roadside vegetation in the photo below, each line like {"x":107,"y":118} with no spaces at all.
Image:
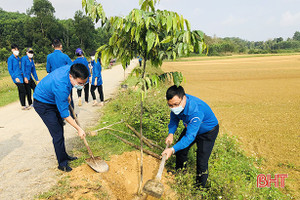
{"x":232,"y":174}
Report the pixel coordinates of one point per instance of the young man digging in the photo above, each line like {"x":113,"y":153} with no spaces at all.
{"x":201,"y":127}
{"x":51,"y":102}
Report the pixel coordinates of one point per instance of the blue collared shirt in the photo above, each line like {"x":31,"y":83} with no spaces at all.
{"x":28,"y":68}
{"x":13,"y":66}
{"x":84,"y":61}
{"x":56,"y":60}
{"x":55,"y":89}
{"x":97,"y":72}
{"x":197,"y":117}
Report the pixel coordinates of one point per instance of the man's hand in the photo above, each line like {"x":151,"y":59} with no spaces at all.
{"x":69,"y":98}
{"x":169,"y":139}
{"x":81,"y":133}
{"x":37,"y":82}
{"x":168,"y":152}
{"x":26,"y":80}
{"x":17,"y":80}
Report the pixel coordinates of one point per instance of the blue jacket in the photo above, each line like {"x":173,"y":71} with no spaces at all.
{"x":55,"y":89}
{"x":56,"y":60}
{"x":28,"y":68}
{"x":97,"y":72}
{"x":14,"y":69}
{"x":84,"y":61}
{"x":197,"y":117}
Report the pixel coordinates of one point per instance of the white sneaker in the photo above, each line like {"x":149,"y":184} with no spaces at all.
{"x":101,"y":103}
{"x":94,"y":103}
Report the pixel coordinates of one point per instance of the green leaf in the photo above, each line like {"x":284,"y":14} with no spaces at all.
{"x":188,"y":25}
{"x":167,"y":39}
{"x":180,"y":49}
{"x":169,"y":23}
{"x":150,"y":38}
{"x":148,"y":22}
{"x":174,"y":19}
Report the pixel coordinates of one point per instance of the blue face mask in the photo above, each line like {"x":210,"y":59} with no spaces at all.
{"x":177,"y":110}
{"x":78,"y":87}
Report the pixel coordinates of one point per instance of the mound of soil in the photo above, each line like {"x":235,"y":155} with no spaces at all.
{"x":120,"y":182}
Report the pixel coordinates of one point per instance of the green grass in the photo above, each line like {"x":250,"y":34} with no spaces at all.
{"x":9,"y":91}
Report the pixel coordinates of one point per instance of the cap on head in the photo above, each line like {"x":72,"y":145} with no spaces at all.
{"x":29,"y":50}
{"x":79,"y":52}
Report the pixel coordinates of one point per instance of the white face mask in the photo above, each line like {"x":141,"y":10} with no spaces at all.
{"x":78,"y":87}
{"x":30,"y":55}
{"x":93,"y":57}
{"x":16,"y":53}
{"x":177,"y":110}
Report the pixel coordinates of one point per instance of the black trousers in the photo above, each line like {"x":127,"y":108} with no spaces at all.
{"x":205,"y":143}
{"x":28,"y":87}
{"x":52,"y":119}
{"x":86,"y":92}
{"x":22,"y":93}
{"x":100,"y":90}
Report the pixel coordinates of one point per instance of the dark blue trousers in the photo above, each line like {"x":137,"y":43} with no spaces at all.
{"x":205,"y":143}
{"x":52,"y":119}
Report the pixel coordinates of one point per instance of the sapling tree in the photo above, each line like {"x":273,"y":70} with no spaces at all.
{"x":152,"y":34}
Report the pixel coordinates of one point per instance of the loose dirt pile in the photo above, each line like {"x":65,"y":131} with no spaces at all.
{"x":120,"y":182}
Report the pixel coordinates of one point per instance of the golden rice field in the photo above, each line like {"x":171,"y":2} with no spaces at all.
{"x":256,"y":99}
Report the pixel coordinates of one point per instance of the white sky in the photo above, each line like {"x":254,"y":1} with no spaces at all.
{"x":252,"y":20}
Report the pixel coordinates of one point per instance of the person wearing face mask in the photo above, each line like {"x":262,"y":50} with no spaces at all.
{"x":51,"y":102}
{"x":14,"y":69}
{"x":201,"y":127}
{"x":96,"y":82}
{"x":28,"y":68}
{"x":81,"y":59}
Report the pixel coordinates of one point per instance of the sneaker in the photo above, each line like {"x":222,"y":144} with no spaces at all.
{"x":101,"y":103}
{"x":79,"y":102}
{"x":24,"y":108}
{"x":94,"y":103}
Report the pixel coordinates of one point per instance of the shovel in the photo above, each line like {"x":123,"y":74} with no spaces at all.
{"x":154,"y":187}
{"x":96,"y":163}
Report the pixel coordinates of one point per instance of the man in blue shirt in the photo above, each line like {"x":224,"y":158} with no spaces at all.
{"x":28,"y":68}
{"x":201,"y":127}
{"x":51,"y":102}
{"x":14,"y":69}
{"x":81,"y":59}
{"x":57,"y":59}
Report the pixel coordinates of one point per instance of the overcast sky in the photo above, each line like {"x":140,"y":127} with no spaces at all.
{"x":253,"y":20}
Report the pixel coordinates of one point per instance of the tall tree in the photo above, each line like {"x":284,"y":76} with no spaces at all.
{"x":44,"y":11}
{"x":85,"y":31}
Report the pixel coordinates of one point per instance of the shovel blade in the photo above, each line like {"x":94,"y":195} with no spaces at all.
{"x":97,"y":164}
{"x":154,"y":188}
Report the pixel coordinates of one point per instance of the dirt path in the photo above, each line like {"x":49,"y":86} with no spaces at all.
{"x":27,"y":161}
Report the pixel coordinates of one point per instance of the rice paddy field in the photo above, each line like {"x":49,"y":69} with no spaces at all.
{"x":256,"y":99}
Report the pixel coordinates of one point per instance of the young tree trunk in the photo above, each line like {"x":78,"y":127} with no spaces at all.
{"x":141,"y":130}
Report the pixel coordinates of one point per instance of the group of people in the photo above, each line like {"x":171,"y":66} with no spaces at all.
{"x":53,"y":96}
{"x":22,"y":71}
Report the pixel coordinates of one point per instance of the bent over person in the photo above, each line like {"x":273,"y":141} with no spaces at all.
{"x":51,"y":98}
{"x":201,"y":127}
